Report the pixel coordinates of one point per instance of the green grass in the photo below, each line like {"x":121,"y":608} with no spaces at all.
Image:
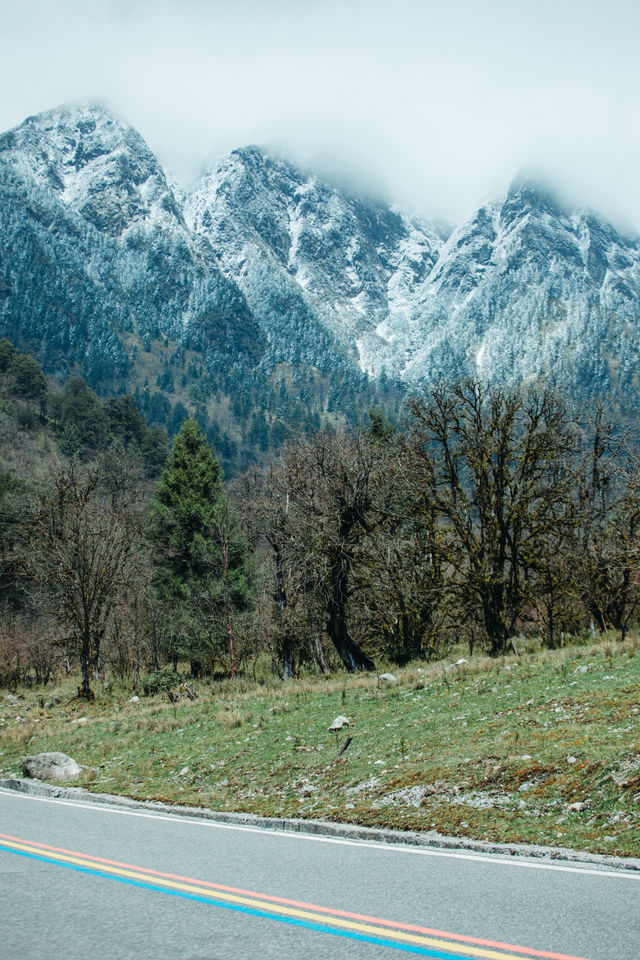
{"x":540,"y":749}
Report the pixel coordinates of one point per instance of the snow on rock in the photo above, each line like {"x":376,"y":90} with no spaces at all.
{"x":271,"y":262}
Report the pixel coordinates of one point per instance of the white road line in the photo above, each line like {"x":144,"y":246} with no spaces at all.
{"x":382,"y":846}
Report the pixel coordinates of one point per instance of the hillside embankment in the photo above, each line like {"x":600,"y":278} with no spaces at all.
{"x":542,"y":748}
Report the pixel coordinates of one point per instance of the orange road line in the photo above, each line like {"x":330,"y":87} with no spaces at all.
{"x":392,"y":924}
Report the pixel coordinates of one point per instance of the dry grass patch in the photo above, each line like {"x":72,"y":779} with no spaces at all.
{"x":537,"y":748}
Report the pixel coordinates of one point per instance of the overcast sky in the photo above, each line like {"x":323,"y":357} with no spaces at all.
{"x":437,"y":104}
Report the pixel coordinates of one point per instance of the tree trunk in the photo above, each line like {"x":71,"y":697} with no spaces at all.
{"x":85,"y":662}
{"x":287,"y":659}
{"x":227,"y":603}
{"x":349,"y":652}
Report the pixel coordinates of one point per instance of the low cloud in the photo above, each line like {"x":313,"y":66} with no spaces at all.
{"x":436,"y":105}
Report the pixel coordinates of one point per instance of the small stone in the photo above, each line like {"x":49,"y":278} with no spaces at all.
{"x":578,"y":805}
{"x":184,"y":772}
{"x":387,"y":678}
{"x":339,"y":723}
{"x":80,"y":721}
{"x":134,"y":700}
{"x":459,"y":662}
{"x":571,"y":760}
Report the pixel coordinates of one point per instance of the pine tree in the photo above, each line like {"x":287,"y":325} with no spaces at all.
{"x":201,"y":568}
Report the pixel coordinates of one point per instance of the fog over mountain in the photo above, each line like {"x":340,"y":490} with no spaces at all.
{"x":437,"y":105}
{"x":267,"y":296}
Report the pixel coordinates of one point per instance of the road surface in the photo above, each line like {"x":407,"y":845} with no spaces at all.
{"x":80,"y":879}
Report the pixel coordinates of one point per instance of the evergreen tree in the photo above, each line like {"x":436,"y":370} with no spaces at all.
{"x":83,"y":416}
{"x":201,"y":569}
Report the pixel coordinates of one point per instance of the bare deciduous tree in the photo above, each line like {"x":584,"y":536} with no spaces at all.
{"x":86,"y":549}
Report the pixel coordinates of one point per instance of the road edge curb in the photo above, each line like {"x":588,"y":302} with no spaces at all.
{"x":327,"y":828}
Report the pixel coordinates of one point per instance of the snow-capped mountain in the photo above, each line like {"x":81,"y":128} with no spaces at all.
{"x":354,"y":263}
{"x":95,"y":249}
{"x":526,"y":291}
{"x":267,"y":291}
{"x":97,"y":165}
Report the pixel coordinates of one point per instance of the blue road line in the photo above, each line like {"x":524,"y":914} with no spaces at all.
{"x":250,"y":911}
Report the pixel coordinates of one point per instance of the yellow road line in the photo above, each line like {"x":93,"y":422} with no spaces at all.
{"x":278,"y":910}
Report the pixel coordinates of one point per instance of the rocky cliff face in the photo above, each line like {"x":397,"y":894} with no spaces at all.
{"x":97,"y":165}
{"x":268,"y":292}
{"x":95,"y":248}
{"x":529,"y":291}
{"x":525,"y":290}
{"x":349,"y":263}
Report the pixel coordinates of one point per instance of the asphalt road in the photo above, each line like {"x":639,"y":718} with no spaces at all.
{"x":79,"y":880}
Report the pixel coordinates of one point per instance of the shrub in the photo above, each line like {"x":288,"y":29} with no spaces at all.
{"x":159,"y":681}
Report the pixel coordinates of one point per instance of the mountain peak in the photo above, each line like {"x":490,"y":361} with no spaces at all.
{"x":529,"y":193}
{"x":81,"y":121}
{"x":96,"y":163}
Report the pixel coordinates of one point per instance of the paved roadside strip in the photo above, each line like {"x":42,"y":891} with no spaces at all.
{"x":429,"y":842}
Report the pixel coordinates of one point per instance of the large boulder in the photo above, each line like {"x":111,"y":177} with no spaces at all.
{"x":51,"y":766}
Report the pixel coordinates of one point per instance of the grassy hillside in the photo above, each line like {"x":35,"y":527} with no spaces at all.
{"x":543,"y":748}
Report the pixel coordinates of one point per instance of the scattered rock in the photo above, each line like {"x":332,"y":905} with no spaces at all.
{"x":578,"y":805}
{"x":571,"y":760}
{"x":361,"y":787}
{"x":408,"y":796}
{"x":51,"y":766}
{"x":387,"y":678}
{"x":339,"y":723}
{"x":583,"y":669}
{"x":184,"y":772}
{"x":628,"y":773}
{"x":80,"y":721}
{"x":528,"y":785}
